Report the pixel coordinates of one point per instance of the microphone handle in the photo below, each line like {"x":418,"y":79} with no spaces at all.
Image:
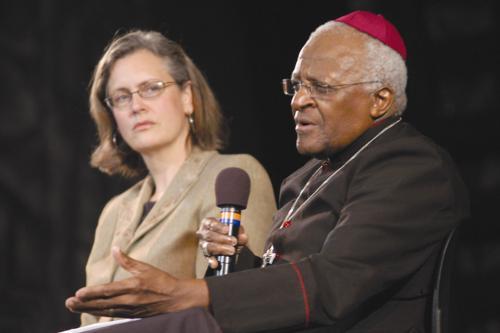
{"x":231,"y":216}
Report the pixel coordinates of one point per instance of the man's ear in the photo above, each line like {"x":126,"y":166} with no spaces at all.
{"x":383,"y":100}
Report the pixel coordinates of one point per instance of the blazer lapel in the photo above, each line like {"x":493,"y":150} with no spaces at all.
{"x":185,"y":178}
{"x":130,"y":214}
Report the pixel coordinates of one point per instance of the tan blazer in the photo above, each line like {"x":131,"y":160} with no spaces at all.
{"x":166,"y":237}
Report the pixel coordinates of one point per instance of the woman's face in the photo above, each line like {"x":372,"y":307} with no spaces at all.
{"x":149,"y":124}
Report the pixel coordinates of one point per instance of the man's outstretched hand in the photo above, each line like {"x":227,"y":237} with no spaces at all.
{"x":148,"y":292}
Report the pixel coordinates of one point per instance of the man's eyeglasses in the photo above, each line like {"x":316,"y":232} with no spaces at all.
{"x":121,"y":99}
{"x":315,"y":89}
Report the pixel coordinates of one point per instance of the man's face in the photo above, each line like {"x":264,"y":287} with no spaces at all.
{"x":328,"y":124}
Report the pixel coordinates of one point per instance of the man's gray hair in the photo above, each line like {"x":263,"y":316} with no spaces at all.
{"x":382,"y":64}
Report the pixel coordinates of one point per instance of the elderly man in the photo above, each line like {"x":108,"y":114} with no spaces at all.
{"x":360,"y":226}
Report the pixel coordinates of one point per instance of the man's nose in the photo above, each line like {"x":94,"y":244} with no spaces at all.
{"x":301,"y":99}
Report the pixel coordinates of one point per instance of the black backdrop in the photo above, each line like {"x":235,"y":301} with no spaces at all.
{"x":50,"y":198}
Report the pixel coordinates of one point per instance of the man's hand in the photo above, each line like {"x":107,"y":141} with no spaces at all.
{"x":214,"y":240}
{"x":148,"y":292}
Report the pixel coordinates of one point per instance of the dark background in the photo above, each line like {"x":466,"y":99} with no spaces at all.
{"x":50,"y":198}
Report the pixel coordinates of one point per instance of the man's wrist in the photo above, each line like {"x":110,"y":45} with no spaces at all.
{"x":192,"y":293}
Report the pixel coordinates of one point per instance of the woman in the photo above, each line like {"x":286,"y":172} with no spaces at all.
{"x":156,"y":116}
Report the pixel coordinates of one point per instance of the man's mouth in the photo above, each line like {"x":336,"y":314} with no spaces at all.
{"x":303,"y":125}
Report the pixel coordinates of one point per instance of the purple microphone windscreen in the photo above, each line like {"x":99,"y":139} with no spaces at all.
{"x":232,"y":188}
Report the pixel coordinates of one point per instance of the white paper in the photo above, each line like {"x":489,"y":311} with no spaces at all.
{"x":98,"y":325}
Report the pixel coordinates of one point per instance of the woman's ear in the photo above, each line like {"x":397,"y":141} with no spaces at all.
{"x":187,"y":98}
{"x":382,"y":103}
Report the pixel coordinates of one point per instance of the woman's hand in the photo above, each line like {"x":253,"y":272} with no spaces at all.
{"x":214,"y":240}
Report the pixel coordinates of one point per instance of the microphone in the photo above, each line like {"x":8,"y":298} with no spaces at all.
{"x":232,"y":188}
